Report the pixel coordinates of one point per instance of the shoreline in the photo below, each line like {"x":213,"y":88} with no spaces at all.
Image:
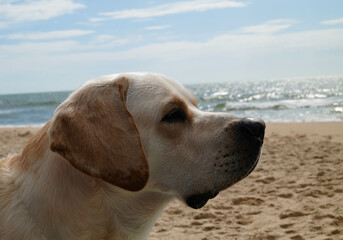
{"x":267,"y":122}
{"x":281,"y":128}
{"x":23,"y":126}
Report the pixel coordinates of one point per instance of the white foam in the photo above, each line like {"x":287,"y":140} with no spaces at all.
{"x":22,"y":126}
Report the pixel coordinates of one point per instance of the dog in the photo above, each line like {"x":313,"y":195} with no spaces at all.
{"x":116,"y":151}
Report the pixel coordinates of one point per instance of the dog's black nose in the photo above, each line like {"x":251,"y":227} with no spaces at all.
{"x":253,"y":128}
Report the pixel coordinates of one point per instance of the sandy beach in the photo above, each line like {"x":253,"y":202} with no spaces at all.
{"x":296,"y":191}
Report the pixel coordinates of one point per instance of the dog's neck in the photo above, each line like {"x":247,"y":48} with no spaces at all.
{"x":62,"y":202}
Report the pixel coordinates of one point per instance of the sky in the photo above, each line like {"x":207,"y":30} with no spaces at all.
{"x":54,"y":45}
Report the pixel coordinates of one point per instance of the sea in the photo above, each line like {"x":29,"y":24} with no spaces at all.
{"x":281,"y":100}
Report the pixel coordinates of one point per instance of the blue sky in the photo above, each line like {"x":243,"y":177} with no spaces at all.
{"x":53,"y":45}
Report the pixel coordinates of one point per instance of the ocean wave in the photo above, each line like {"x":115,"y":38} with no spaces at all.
{"x":30,"y":104}
{"x":273,"y":90}
{"x":264,"y":97}
{"x":337,"y":110}
{"x":277,"y":106}
{"x":37,"y":104}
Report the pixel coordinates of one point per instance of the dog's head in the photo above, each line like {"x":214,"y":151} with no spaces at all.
{"x":140,"y":131}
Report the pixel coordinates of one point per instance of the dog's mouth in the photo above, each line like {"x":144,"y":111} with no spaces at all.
{"x":246,"y":166}
{"x":197,"y":201}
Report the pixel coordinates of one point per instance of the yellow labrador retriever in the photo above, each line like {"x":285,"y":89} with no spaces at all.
{"x":115,"y":153}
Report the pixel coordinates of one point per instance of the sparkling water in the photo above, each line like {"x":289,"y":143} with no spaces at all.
{"x":310,"y":99}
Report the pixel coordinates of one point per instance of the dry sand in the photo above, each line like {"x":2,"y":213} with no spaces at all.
{"x":296,"y":191}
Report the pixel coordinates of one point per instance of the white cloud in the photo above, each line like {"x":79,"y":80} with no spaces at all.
{"x":270,"y":26}
{"x":232,"y":46}
{"x":236,"y":44}
{"x":39,"y":48}
{"x":333,"y":21}
{"x":97,"y":19}
{"x":42,"y":48}
{"x":48,"y":35}
{"x":168,"y":9}
{"x":157,"y":27}
{"x":107,"y":41}
{"x":237,"y":56}
{"x":4,"y":24}
{"x":19,"y":11}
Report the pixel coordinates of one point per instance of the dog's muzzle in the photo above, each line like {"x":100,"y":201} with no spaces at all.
{"x":238,"y":161}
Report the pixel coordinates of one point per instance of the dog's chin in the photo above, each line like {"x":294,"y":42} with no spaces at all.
{"x":197,"y":201}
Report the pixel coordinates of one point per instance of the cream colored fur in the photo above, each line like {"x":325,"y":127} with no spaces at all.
{"x":53,"y":191}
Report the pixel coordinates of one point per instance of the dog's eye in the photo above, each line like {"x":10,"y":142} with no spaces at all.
{"x":175,"y":115}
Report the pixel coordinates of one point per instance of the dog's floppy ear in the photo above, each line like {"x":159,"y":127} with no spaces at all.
{"x":96,"y":133}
